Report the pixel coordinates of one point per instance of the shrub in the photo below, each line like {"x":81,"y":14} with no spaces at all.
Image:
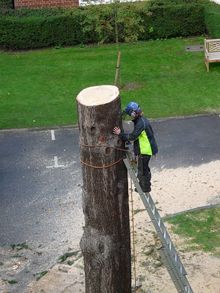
{"x":6,"y":4}
{"x":212,"y":20}
{"x":27,"y":29}
{"x":178,"y":20}
{"x":175,"y":2}
{"x":32,"y":32}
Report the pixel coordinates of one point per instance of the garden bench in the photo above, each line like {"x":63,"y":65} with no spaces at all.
{"x":212,"y":51}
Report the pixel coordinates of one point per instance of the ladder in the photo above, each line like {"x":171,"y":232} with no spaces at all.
{"x":168,"y":252}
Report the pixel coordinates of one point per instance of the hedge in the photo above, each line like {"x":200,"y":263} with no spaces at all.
{"x":28,"y":29}
{"x":178,"y":20}
{"x":212,"y":20}
{"x":6,"y":4}
{"x":174,"y":2}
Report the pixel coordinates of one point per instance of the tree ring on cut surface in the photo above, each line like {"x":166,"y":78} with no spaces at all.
{"x":98,"y":95}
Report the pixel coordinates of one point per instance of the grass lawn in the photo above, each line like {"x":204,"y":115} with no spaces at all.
{"x":38,"y":88}
{"x":201,"y":229}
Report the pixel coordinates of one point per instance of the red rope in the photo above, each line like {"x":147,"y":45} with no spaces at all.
{"x":103,"y":166}
{"x":104,"y":146}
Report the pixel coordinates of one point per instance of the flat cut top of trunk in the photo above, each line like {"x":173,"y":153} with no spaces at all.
{"x":98,"y":95}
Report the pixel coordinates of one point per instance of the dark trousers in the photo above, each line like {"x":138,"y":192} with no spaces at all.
{"x":144,"y":174}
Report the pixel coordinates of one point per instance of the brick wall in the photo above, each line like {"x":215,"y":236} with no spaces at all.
{"x":45,"y":3}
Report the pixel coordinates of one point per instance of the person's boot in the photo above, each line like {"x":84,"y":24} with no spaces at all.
{"x":144,"y":190}
{"x":145,"y":186}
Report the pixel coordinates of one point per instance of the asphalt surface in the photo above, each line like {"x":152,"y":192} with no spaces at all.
{"x":40,"y":182}
{"x":188,"y":141}
{"x":33,"y":188}
{"x":40,"y":196}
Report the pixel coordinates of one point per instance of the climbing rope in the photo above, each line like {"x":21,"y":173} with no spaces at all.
{"x":102,"y":166}
{"x":133,"y":235}
{"x":104,"y":146}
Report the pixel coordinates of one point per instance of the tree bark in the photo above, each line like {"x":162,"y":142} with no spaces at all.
{"x":105,"y":243}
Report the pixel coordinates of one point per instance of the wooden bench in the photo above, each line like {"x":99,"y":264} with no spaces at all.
{"x":212,"y":51}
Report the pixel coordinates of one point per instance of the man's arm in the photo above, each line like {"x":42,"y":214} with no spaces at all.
{"x":139,"y":127}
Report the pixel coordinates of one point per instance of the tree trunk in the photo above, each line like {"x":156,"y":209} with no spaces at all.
{"x":105,"y":243}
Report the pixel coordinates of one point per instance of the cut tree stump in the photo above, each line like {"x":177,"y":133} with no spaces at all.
{"x":105,"y":243}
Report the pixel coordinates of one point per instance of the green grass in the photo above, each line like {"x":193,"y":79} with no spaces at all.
{"x":20,"y":246}
{"x":38,"y":88}
{"x":11,"y":282}
{"x":201,"y":229}
{"x":40,"y":275}
{"x":66,"y":255}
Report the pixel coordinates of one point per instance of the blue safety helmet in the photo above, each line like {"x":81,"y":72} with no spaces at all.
{"x":132,"y":107}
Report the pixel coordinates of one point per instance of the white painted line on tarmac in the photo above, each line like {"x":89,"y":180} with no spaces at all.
{"x":56,"y":164}
{"x":53,"y":135}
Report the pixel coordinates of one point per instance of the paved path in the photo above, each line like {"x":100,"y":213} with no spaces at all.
{"x":188,"y":142}
{"x":40,"y":195}
{"x":40,"y":182}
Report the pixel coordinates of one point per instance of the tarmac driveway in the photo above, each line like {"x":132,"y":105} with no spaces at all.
{"x":40,"y":182}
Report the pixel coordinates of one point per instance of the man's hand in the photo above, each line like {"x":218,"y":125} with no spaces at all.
{"x":116,"y":130}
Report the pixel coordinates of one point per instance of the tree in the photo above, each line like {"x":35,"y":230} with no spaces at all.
{"x":105,"y":242}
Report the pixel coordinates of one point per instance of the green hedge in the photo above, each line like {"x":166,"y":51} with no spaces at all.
{"x":28,"y":29}
{"x":35,"y":32}
{"x":178,"y":20}
{"x":212,"y":19}
{"x":174,"y":2}
{"x":6,"y":4}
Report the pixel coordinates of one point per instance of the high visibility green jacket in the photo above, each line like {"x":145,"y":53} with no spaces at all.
{"x":143,"y":137}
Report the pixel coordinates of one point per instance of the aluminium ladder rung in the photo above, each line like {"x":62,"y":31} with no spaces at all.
{"x":168,"y":251}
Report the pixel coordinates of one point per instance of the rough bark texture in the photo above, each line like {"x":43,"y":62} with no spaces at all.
{"x":106,"y":240}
